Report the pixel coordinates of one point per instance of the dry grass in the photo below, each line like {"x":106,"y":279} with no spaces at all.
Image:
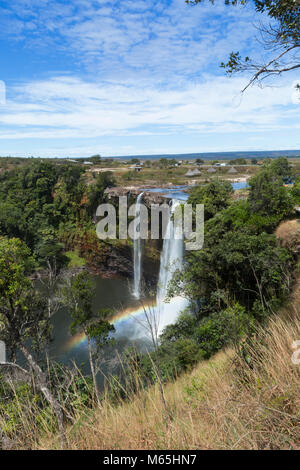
{"x":222,"y":404}
{"x":289,"y":234}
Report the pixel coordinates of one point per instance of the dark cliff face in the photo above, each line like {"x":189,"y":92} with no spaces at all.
{"x":119,"y":262}
{"x":112,"y":259}
{"x":116,"y":262}
{"x":118,"y":258}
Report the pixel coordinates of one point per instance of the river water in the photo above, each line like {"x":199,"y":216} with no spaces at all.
{"x":128,"y":314}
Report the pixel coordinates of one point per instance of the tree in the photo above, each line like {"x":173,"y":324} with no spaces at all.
{"x":238,"y":161}
{"x":11,"y":222}
{"x":296,"y":191}
{"x":280,"y":166}
{"x":221,"y":328}
{"x":77,"y":295}
{"x":214,"y":195}
{"x":49,"y":252}
{"x":281,"y":38}
{"x":95,"y":192}
{"x":267,"y":196}
{"x":164,"y":163}
{"x":239,"y":265}
{"x":95,"y":158}
{"x":23,"y":315}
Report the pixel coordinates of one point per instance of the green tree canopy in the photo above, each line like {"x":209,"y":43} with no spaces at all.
{"x":267,"y":196}
{"x":23,"y":313}
{"x":95,"y":192}
{"x":214,"y":195}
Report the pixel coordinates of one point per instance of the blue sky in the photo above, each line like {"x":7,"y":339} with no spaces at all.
{"x":134,"y":77}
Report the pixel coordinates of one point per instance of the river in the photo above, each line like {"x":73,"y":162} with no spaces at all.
{"x":128,"y":313}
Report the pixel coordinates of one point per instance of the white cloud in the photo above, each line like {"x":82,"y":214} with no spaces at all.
{"x":126,"y":38}
{"x":66,"y":107}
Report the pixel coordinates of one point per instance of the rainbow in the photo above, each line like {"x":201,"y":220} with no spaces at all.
{"x":131,"y":312}
{"x":74,"y":342}
{"x":79,"y":339}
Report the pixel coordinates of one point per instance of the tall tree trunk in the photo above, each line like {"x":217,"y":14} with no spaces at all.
{"x":92,"y":366}
{"x":43,"y":387}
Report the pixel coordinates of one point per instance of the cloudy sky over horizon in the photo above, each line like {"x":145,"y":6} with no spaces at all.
{"x":135,"y":77}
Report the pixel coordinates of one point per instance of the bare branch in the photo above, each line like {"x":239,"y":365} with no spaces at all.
{"x":266,"y":70}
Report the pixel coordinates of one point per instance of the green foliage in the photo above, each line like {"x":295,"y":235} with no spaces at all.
{"x":280,"y":167}
{"x":184,"y":327}
{"x":240,"y":276}
{"x":238,"y":161}
{"x":75,"y":261}
{"x":95,"y":192}
{"x":16,"y":404}
{"x":240,"y":263}
{"x":130,"y":175}
{"x":296,"y":191}
{"x":95,"y":159}
{"x":214,"y":195}
{"x":49,"y":250}
{"x":267,"y":196}
{"x":187,"y":341}
{"x":78,"y":296}
{"x":222,"y":328}
{"x":23,"y":313}
{"x":76,"y":391}
{"x":24,"y":412}
{"x":37,"y":199}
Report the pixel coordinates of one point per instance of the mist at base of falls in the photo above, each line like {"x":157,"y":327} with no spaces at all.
{"x":171,"y":259}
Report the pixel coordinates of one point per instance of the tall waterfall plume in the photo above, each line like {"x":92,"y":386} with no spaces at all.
{"x":137,"y":253}
{"x":171,"y":259}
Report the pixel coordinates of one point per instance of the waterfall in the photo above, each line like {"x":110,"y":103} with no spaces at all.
{"x":2,"y":352}
{"x":171,"y":259}
{"x":137,"y":254}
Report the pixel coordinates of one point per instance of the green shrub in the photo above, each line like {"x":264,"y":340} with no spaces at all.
{"x":220,"y":329}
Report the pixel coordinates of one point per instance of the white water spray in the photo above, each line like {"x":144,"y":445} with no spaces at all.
{"x":137,"y":253}
{"x":171,"y":259}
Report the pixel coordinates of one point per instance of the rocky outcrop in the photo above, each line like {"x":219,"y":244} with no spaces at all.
{"x":118,"y":261}
{"x":132,"y":193}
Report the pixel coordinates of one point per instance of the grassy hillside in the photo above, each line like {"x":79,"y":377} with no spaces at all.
{"x":222,"y":404}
